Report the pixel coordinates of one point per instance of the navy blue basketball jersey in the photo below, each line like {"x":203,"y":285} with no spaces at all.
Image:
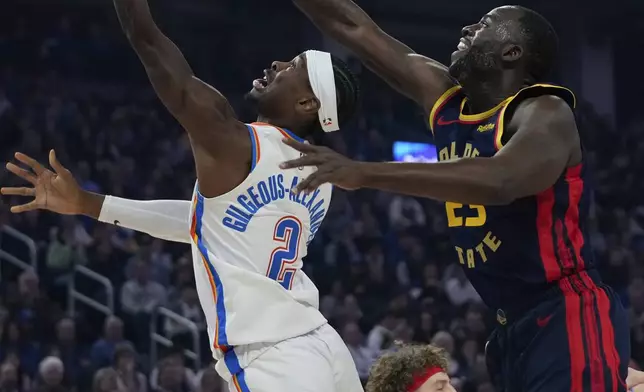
{"x":513,"y":253}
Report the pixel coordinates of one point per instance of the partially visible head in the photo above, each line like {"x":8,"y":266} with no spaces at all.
{"x":113,"y":328}
{"x":124,"y":356}
{"x":105,"y":380}
{"x":412,"y":368}
{"x":508,"y":37}
{"x":284,"y":96}
{"x":66,"y":330}
{"x":51,"y":371}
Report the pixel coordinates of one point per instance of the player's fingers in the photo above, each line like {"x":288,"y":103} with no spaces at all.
{"x":299,"y":146}
{"x":29,"y":161}
{"x":24,"y":207}
{"x":22,"y":173}
{"x":18,"y":191}
{"x":307,"y":160}
{"x":304,"y":185}
{"x":57,"y":166}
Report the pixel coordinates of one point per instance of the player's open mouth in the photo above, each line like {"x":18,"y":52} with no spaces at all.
{"x":260,"y":84}
{"x":463,"y":44}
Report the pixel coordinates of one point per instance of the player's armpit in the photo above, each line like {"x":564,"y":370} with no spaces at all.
{"x":544,"y":143}
{"x":422,"y":79}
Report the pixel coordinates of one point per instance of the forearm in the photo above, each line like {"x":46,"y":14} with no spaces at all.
{"x":164,"y":219}
{"x":335,"y":17}
{"x":467,"y":181}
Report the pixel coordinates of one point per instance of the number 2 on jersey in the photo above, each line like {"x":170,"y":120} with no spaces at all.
{"x":288,"y":231}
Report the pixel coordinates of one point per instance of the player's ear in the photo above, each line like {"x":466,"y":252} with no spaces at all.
{"x":512,"y":53}
{"x":308,"y":105}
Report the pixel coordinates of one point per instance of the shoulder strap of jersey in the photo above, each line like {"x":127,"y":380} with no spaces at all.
{"x":440,"y":104}
{"x":533,"y":91}
{"x":262,"y":132}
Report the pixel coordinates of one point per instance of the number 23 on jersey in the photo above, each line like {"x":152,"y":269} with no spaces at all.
{"x":288,"y":232}
{"x":457,"y":216}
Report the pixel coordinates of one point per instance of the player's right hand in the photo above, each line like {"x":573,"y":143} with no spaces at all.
{"x":55,"y":190}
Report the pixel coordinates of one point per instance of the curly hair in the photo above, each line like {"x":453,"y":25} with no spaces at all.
{"x":395,"y":371}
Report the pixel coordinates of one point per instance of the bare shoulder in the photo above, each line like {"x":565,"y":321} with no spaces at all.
{"x":546,"y":113}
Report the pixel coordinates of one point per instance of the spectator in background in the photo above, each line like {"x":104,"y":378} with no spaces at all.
{"x":362,"y":356}
{"x":171,"y":375}
{"x":66,"y":348}
{"x":128,"y":378}
{"x":9,"y":381}
{"x":102,"y":351}
{"x":51,"y":372}
{"x":20,"y":348}
{"x":459,"y":290}
{"x":106,"y":380}
{"x":381,"y":337}
{"x":444,"y":340}
{"x":33,"y":306}
{"x":140,"y":295}
{"x":209,"y":381}
{"x":189,"y":307}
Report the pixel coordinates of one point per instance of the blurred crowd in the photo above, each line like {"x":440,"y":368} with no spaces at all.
{"x":382,"y":262}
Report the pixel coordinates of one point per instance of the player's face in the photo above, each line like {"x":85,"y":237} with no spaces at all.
{"x":483,"y":45}
{"x":283,"y":89}
{"x":439,"y":382}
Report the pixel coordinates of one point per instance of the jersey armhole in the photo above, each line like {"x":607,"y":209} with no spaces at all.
{"x":534,"y":91}
{"x":440,"y":103}
{"x":255,"y":148}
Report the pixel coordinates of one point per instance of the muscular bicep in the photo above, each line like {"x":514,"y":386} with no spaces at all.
{"x":418,"y":77}
{"x":194,"y":103}
{"x":545,"y":143}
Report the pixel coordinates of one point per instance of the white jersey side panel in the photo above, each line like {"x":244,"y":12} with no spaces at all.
{"x":248,"y":246}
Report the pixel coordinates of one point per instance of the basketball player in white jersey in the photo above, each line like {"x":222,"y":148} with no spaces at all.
{"x":248,"y":230}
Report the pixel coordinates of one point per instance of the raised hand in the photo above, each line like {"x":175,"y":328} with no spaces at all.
{"x":332,"y":167}
{"x":55,"y":190}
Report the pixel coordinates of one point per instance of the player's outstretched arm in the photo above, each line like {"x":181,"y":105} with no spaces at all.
{"x":202,"y":110}
{"x":534,"y":158}
{"x":58,"y":191}
{"x":420,"y":78}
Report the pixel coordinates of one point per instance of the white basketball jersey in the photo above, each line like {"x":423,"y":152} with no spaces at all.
{"x":248,"y":246}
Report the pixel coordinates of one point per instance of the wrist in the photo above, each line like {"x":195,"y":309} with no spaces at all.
{"x":367,"y":172}
{"x":90,"y":204}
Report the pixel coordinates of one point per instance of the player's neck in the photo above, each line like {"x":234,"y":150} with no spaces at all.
{"x":297,"y":130}
{"x":485,"y":95}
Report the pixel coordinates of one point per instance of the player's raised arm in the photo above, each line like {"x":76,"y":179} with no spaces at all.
{"x":202,"y":110}
{"x":58,"y":191}
{"x":545,"y":142}
{"x":420,"y":78}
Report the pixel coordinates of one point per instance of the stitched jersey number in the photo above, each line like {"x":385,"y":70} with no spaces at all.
{"x":288,"y":231}
{"x":455,"y":219}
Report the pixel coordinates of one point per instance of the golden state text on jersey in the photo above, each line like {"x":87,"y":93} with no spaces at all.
{"x":514,"y":251}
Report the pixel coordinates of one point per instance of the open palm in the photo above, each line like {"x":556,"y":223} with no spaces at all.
{"x":55,"y":190}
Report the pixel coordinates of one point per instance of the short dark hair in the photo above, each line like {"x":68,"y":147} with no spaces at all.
{"x":347,"y":90}
{"x":395,"y":371}
{"x":542,"y":43}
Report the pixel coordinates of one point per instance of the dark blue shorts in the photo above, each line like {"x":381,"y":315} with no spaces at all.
{"x":576,"y":341}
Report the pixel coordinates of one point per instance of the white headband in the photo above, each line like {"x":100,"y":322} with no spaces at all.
{"x":320,"y":71}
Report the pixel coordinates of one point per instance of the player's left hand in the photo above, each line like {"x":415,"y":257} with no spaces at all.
{"x":332,"y":167}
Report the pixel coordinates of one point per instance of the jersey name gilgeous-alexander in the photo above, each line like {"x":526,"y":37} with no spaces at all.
{"x":267,"y":191}
{"x":515,"y":252}
{"x":248,"y":246}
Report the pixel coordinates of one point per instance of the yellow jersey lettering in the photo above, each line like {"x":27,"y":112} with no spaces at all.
{"x":456,"y":220}
{"x":491,"y":241}
{"x":470,"y":258}
{"x":486,"y":127}
{"x":459,"y":251}
{"x":450,"y":153}
{"x":480,"y":253}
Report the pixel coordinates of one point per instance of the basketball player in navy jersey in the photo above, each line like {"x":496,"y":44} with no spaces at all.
{"x":514,"y":181}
